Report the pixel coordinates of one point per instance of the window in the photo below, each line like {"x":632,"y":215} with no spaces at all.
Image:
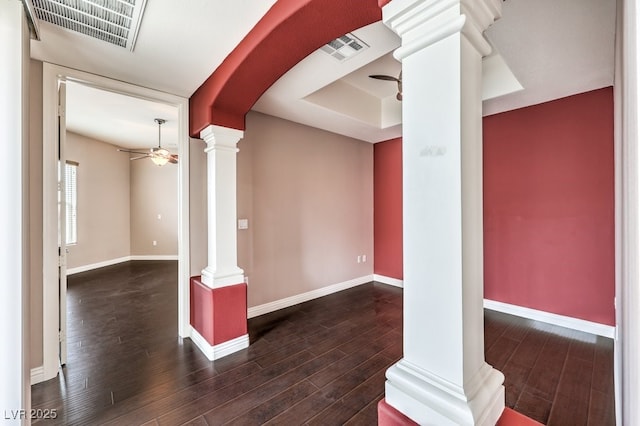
{"x":71,"y":195}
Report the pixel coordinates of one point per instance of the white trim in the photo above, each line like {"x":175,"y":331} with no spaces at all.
{"x":37,"y":375}
{"x":388,"y":280}
{"x":628,"y":289}
{"x":618,"y":111}
{"x":550,"y":318}
{"x":92,"y":266}
{"x":14,"y":227}
{"x":305,"y":297}
{"x":97,"y":265}
{"x":51,"y":75}
{"x":154,"y":257}
{"x":223,"y":349}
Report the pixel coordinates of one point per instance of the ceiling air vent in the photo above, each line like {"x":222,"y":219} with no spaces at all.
{"x":344,"y":47}
{"x":113,"y":21}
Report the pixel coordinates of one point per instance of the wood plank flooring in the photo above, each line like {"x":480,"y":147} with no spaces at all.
{"x":318,"y":363}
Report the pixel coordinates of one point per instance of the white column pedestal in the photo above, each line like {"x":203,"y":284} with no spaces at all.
{"x":443,"y":378}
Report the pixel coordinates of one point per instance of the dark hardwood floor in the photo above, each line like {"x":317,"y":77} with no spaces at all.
{"x":320,"y":362}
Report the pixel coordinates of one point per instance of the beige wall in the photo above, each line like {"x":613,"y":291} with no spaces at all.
{"x":197,"y":206}
{"x":308,"y":195}
{"x":35,"y":210}
{"x":154,"y":191}
{"x":103,"y":201}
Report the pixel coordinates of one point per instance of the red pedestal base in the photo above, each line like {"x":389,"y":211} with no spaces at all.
{"x":389,"y":416}
{"x":218,"y":314}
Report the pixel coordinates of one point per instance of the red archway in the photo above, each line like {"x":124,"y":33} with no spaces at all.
{"x":286,"y":34}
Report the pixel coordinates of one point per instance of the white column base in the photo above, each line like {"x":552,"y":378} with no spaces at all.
{"x":215,"y":279}
{"x":223,"y":349}
{"x":430,"y":400}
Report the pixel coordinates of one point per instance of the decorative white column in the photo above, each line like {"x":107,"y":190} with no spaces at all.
{"x":218,"y":299}
{"x":443,"y":378}
{"x":222,"y":260}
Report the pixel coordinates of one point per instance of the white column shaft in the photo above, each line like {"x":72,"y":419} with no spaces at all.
{"x":442,"y":166}
{"x":222,"y":268}
{"x":443,"y":378}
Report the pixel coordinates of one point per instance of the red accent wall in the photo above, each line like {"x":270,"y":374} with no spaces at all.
{"x":549,"y":207}
{"x":387,"y":208}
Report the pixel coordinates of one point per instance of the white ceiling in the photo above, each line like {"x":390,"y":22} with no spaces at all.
{"x":120,"y":120}
{"x":554,"y":49}
{"x":179,"y":44}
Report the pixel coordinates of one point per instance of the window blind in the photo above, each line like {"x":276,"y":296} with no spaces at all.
{"x":71,"y":195}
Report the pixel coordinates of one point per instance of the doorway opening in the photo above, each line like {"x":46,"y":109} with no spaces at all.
{"x":54,"y":252}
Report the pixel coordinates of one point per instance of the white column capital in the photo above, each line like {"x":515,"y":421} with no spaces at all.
{"x":421,"y":23}
{"x":218,"y":137}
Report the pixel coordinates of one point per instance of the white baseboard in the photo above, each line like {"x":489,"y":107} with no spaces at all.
{"x":223,"y":349}
{"x":84,"y":268}
{"x":388,"y":280}
{"x":555,"y":319}
{"x":110,"y":262}
{"x":154,"y":257}
{"x":37,"y":375}
{"x":256,"y":311}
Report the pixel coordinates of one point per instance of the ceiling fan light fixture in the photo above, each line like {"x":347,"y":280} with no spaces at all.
{"x":159,"y":155}
{"x":159,"y":160}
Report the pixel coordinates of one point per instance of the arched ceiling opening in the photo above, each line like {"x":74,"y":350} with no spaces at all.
{"x":287,"y":33}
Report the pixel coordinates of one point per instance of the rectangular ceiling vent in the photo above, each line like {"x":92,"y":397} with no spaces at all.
{"x":344,"y":47}
{"x":114,"y":21}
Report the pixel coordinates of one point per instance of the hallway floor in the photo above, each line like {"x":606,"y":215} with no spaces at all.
{"x":320,"y":362}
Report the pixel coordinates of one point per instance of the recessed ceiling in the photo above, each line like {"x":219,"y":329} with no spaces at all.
{"x":543,"y":50}
{"x":554,"y":48}
{"x":319,"y":92}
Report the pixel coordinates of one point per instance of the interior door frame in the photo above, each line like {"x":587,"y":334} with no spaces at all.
{"x":51,"y":75}
{"x":62,"y":223}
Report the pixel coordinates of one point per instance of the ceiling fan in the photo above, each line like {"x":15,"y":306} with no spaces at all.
{"x":391,"y":78}
{"x":159,"y":155}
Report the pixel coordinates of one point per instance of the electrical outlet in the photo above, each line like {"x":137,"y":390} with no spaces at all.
{"x":364,"y":258}
{"x":155,"y":243}
{"x":359,"y":259}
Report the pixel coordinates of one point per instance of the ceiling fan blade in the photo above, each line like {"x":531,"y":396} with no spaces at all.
{"x":173,"y":159}
{"x":131,"y":151}
{"x":384,"y":77}
{"x":141,"y":157}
